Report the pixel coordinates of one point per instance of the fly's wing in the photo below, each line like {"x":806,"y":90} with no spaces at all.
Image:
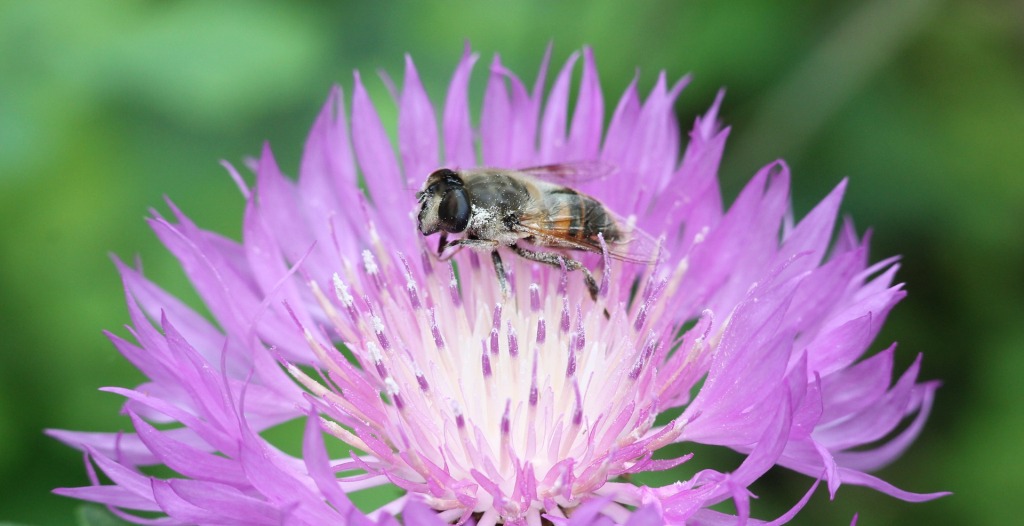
{"x":634,"y":244}
{"x":570,"y":173}
{"x":623,"y":239}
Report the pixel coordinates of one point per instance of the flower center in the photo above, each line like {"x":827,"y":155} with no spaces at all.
{"x":482,"y":401}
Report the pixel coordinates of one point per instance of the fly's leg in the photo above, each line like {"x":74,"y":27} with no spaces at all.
{"x":459,"y":244}
{"x":442,"y":243}
{"x":555,"y":260}
{"x":499,"y":268}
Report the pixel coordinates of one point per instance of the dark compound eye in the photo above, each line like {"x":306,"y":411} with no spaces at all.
{"x":453,"y":211}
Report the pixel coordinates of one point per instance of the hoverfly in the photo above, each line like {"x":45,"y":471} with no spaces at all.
{"x":494,"y":207}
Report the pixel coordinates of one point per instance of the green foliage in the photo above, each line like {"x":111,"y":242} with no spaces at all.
{"x":91,"y":515}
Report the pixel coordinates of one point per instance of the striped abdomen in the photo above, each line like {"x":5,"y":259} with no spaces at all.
{"x":579,"y":216}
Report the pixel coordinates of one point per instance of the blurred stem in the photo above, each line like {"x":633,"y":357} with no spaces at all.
{"x":830,"y":76}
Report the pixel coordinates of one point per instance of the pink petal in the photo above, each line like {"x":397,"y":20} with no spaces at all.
{"x":377,"y":163}
{"x":417,"y":128}
{"x":458,"y":135}
{"x":588,"y":117}
{"x":552,"y":128}
{"x":496,"y":134}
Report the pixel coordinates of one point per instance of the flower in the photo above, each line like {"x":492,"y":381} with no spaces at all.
{"x":503,"y":408}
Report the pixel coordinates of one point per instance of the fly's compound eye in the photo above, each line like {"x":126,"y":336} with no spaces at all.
{"x":453,"y":211}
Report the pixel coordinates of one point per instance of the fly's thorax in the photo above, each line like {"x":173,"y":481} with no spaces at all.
{"x":498,"y":192}
{"x":492,"y":225}
{"x":497,"y":201}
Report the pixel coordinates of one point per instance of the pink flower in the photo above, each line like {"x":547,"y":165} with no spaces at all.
{"x":492,"y":408}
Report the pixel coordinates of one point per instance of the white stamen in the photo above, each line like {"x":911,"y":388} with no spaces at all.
{"x":341,"y":290}
{"x":370,"y":263}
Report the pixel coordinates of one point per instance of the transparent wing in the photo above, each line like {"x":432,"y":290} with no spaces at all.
{"x":570,"y":172}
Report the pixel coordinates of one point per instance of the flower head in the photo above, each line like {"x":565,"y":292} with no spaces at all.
{"x":504,"y":403}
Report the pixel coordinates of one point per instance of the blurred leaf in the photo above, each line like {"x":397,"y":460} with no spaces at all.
{"x":210,"y":63}
{"x":92,"y":515}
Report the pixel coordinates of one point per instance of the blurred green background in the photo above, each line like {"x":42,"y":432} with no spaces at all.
{"x":108,"y":106}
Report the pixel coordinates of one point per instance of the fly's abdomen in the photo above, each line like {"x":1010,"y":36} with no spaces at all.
{"x":580,"y":216}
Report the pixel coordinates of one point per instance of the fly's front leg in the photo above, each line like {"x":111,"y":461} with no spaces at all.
{"x":442,"y":243}
{"x":555,"y":260}
{"x":482,"y":244}
{"x":499,"y":268}
{"x":459,"y":244}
